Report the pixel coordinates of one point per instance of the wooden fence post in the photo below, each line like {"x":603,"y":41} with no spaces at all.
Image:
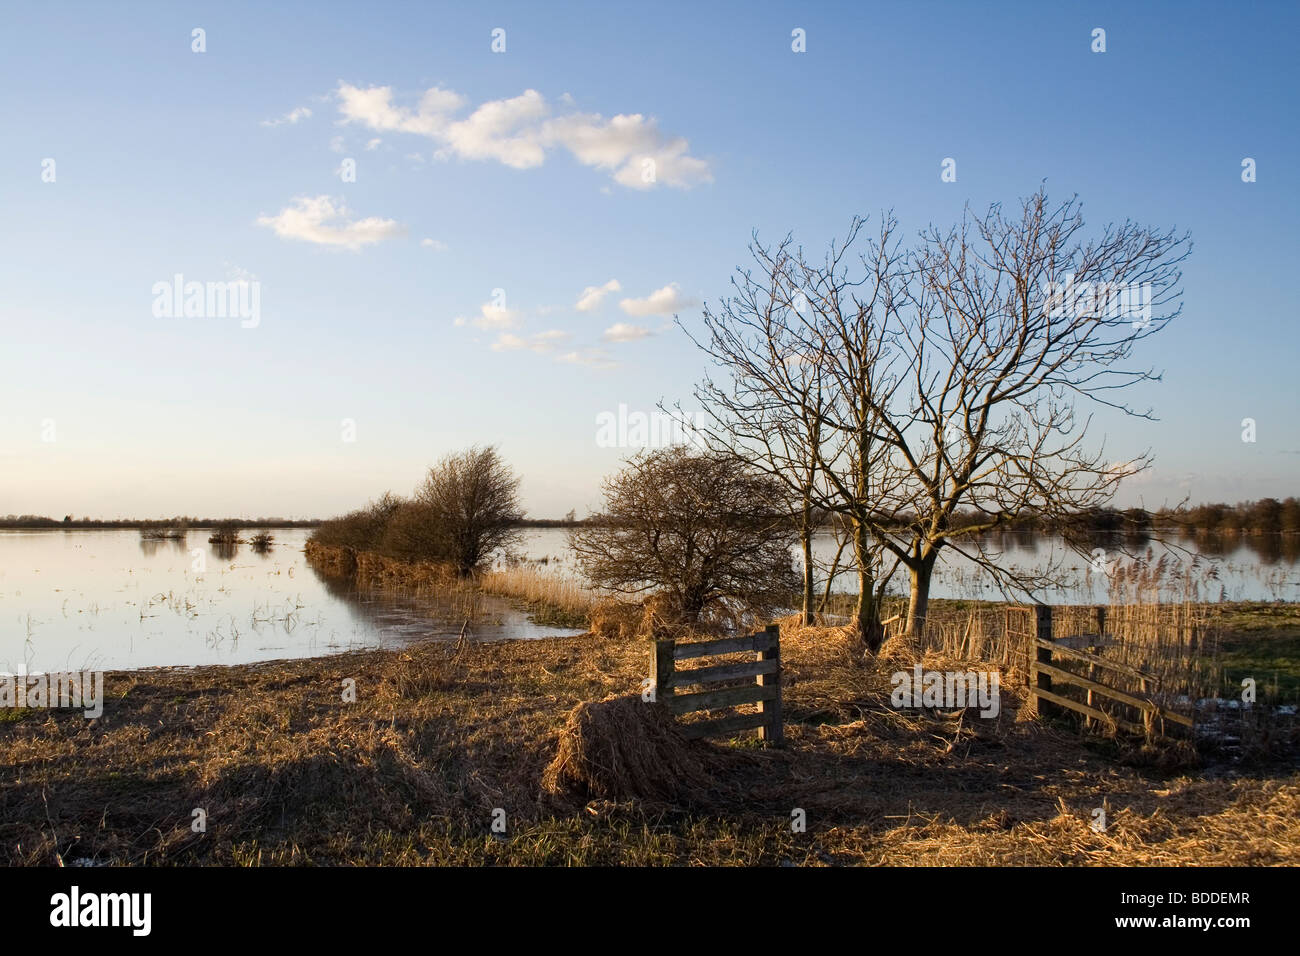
{"x":661,"y":669}
{"x":1089,"y":699}
{"x":1043,"y":632}
{"x":773,"y":732}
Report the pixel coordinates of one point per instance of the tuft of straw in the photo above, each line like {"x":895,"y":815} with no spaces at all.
{"x":622,"y":748}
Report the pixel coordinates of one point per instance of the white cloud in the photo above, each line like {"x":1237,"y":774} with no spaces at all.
{"x":594,"y":358}
{"x":374,"y":109}
{"x":593,"y":294}
{"x":508,"y":342}
{"x":292,"y":117}
{"x":663,"y":301}
{"x":631,"y":147}
{"x":504,"y":130}
{"x":373,"y":145}
{"x":239,"y":273}
{"x":541,"y":342}
{"x":491,"y":318}
{"x":336,"y":144}
{"x":433,"y":244}
{"x":519,"y":131}
{"x":625,"y":332}
{"x":322,"y":221}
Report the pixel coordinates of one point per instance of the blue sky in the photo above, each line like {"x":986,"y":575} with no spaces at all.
{"x":168,"y":161}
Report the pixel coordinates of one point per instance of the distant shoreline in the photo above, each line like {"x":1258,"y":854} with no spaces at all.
{"x":1245,"y":519}
{"x":125,"y":524}
{"x":110,"y":524}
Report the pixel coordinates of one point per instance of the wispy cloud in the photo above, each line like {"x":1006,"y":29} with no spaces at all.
{"x":593,"y":295}
{"x":433,"y":244}
{"x":324,"y":221}
{"x":593,"y":358}
{"x":625,"y":332}
{"x":492,"y":318}
{"x":519,"y":132}
{"x":663,"y":301}
{"x":541,"y":342}
{"x":292,"y":117}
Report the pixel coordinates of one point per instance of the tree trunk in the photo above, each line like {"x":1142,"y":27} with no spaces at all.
{"x":806,"y":533}
{"x":919,"y":602}
{"x":868,"y":614}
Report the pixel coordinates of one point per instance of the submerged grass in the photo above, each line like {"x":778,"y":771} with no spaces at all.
{"x":557,"y":600}
{"x":550,"y":599}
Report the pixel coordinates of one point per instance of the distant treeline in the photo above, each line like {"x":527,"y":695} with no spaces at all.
{"x":42,"y":521}
{"x":1265,"y":516}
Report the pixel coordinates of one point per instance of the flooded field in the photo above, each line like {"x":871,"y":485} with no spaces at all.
{"x":1245,"y":568}
{"x":72,"y":600}
{"x":106,"y":600}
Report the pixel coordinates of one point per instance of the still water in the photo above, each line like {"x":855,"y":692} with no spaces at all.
{"x":1259,"y":568}
{"x":106,"y":600}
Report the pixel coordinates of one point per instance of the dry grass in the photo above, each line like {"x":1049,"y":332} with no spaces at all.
{"x":551,"y":599}
{"x":558,"y":599}
{"x":621,"y":749}
{"x":616,"y":620}
{"x":1178,"y":644}
{"x":440,"y":737}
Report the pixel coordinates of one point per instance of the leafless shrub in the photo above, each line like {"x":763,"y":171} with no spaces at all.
{"x":702,"y":527}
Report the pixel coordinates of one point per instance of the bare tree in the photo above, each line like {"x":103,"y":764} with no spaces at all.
{"x":469,"y":505}
{"x":360,"y":530}
{"x":806,"y":349}
{"x":702,"y":527}
{"x":770,"y":405}
{"x":1015,"y":319}
{"x":850,"y":326}
{"x":940,"y":381}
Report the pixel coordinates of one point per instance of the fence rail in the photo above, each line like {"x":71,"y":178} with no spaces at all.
{"x":1047,"y":670}
{"x":765,"y":691}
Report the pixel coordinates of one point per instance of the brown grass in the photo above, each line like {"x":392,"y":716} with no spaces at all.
{"x":439,"y":738}
{"x":553,"y":598}
{"x":621,"y":748}
{"x":616,"y":620}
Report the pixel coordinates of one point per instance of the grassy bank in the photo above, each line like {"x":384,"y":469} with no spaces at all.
{"x":550,"y":599}
{"x":288,"y":772}
{"x":1234,"y":640}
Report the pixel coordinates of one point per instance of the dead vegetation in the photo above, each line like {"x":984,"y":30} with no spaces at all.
{"x":440,"y":736}
{"x":621,"y":749}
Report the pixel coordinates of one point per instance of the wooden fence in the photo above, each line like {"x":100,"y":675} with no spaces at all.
{"x":765,"y":690}
{"x":1051,"y":668}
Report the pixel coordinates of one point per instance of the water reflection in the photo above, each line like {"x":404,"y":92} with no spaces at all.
{"x":481,"y":617}
{"x":223,"y":550}
{"x":107,"y":600}
{"x":1196,"y":567}
{"x":1267,"y":548}
{"x":151,"y":546}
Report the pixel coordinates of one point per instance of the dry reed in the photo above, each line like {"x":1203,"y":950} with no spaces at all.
{"x":623,"y":748}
